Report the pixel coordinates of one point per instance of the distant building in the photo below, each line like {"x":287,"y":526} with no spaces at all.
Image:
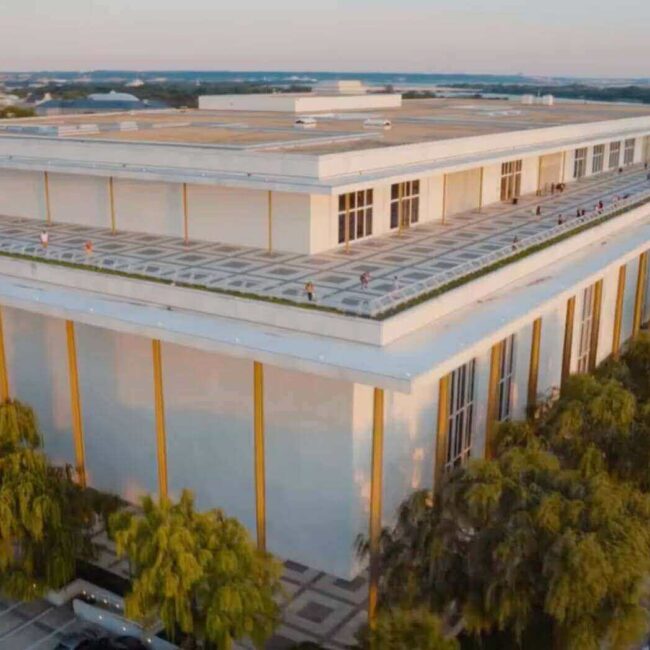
{"x":96,"y":103}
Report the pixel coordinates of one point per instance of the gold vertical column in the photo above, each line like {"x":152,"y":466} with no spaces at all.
{"x":493,"y":395}
{"x":442,"y":433}
{"x":75,"y":405}
{"x":347,"y":222}
{"x":260,"y":464}
{"x":533,"y":368}
{"x":444,"y":197}
{"x":563,"y":167}
{"x":186,"y":224}
{"x":46,"y":192}
{"x":595,"y":325}
{"x":376,"y":489}
{"x":111,"y":204}
{"x":270,"y":220}
{"x":400,"y":211}
{"x":480,"y":189}
{"x":639,"y":296}
{"x":4,"y":375}
{"x":618,"y":313}
{"x":159,"y":403}
{"x":568,"y":338}
{"x":539,"y":175}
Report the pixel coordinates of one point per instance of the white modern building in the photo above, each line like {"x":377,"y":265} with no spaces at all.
{"x":465,"y":256}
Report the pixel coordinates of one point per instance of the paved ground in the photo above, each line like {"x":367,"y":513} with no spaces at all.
{"x":420,"y":253}
{"x":315,"y":606}
{"x":36,"y":625}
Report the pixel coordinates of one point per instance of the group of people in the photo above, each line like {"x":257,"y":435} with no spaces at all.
{"x":364,"y":281}
{"x":45,"y":242}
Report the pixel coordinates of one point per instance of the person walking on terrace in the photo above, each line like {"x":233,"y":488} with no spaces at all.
{"x":88,"y":247}
{"x":364,"y":278}
{"x":45,"y":238}
{"x":310,"y":290}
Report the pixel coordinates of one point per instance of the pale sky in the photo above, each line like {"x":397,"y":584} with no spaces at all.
{"x":545,"y":37}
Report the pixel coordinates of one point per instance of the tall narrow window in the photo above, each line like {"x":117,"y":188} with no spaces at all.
{"x":580,"y":162}
{"x":586,"y":328}
{"x":614,"y":154}
{"x":628,"y":154}
{"x":359,"y":208}
{"x":460,"y":412}
{"x":645,"y":305}
{"x":598,"y":160}
{"x":404,"y":200}
{"x":510,"y":179}
{"x":506,"y":375}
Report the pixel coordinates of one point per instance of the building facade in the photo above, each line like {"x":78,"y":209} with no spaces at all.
{"x":183,"y":352}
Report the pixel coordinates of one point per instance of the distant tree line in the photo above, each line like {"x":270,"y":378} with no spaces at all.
{"x":632,"y":93}
{"x":176,"y":95}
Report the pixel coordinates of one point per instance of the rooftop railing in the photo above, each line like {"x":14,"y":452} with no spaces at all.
{"x":374,"y":307}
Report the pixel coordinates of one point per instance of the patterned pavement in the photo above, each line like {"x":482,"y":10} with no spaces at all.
{"x":315,"y":606}
{"x":392,"y":260}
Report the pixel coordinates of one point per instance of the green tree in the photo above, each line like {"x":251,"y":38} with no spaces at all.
{"x":407,"y":629}
{"x":523,"y":548}
{"x":197,"y":572}
{"x":16,"y":111}
{"x":45,"y":522}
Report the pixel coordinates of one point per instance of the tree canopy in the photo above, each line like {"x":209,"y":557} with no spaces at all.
{"x":45,"y":521}
{"x":547,"y":545}
{"x":198,"y":572}
{"x":407,"y":629}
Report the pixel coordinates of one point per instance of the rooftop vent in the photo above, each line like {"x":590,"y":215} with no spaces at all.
{"x":305,"y":123}
{"x":377,"y":123}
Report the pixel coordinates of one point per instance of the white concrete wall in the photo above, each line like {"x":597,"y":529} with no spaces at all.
{"x":463,"y":189}
{"x":299,"y":102}
{"x":209,"y":420}
{"x":37,"y":369}
{"x":83,"y":200}
{"x":551,"y":170}
{"x":155,"y":208}
{"x":409,"y":441}
{"x":292,"y":223}
{"x":22,"y":194}
{"x":313,"y":501}
{"x":116,"y":387}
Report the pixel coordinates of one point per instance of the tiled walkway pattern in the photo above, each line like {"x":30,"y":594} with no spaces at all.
{"x":316,"y":606}
{"x":392,"y":260}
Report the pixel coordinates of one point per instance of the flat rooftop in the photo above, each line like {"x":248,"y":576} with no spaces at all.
{"x":417,"y":120}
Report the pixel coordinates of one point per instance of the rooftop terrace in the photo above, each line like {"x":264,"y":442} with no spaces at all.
{"x":421,"y":120}
{"x":422,"y":261}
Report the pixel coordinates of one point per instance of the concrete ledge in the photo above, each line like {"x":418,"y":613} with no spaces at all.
{"x":312,"y":321}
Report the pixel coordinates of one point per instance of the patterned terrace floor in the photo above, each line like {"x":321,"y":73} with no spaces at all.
{"x":419,"y":253}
